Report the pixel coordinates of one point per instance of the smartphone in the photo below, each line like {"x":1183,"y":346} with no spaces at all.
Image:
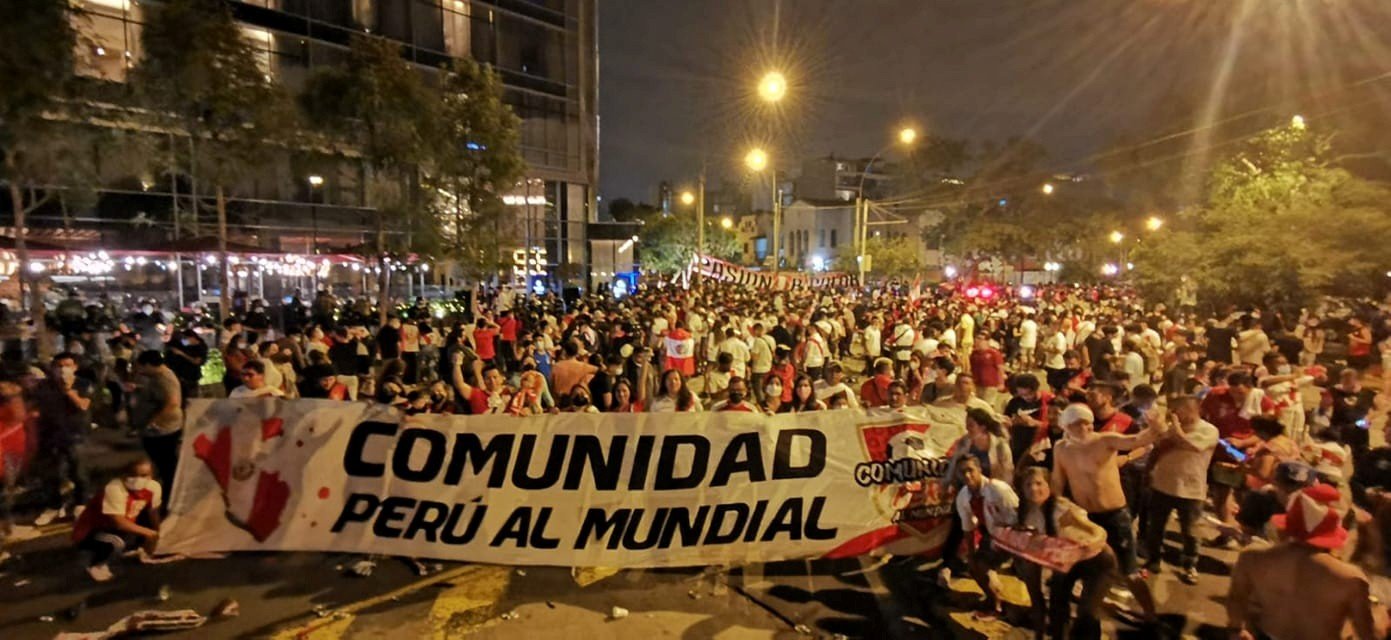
{"x":1232,"y":450}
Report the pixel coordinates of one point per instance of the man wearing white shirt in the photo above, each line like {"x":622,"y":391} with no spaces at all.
{"x":872,"y":336}
{"x":1178,"y":482}
{"x":738,"y":350}
{"x":1028,"y":341}
{"x":761,"y":348}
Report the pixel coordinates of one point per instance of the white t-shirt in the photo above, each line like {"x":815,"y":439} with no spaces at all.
{"x":1057,"y":346}
{"x":1000,"y":506}
{"x":119,"y":500}
{"x":761,"y":353}
{"x":267,"y":390}
{"x":1135,"y":366}
{"x":1181,"y":471}
{"x":872,"y":337}
{"x":1028,"y":334}
{"x":816,"y":352}
{"x":736,"y":347}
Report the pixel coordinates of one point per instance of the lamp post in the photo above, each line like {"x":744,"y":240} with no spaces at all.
{"x":315,"y":182}
{"x":906,"y":137}
{"x":757,"y":160}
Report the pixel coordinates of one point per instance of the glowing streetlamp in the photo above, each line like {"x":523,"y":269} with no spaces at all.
{"x":756,"y":159}
{"x":1154,"y":223}
{"x":316,"y":181}
{"x":1047,"y":189}
{"x":727,"y":223}
{"x":772,"y":87}
{"x":1117,"y":237}
{"x":687,"y":198}
{"x":907,"y":135}
{"x":1297,"y":122}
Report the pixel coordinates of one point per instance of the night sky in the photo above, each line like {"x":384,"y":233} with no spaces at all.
{"x":1080,"y":76}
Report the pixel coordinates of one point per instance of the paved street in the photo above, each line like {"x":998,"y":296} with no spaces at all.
{"x":284,"y":595}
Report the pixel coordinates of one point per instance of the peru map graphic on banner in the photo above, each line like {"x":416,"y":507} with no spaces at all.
{"x":615,"y":490}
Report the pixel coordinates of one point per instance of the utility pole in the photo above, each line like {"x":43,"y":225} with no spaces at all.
{"x":700,"y":212}
{"x":777,"y":222}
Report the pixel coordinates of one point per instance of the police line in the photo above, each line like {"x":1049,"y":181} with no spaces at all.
{"x":616,"y":490}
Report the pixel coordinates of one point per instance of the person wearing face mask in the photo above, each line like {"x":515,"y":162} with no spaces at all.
{"x":124,"y":515}
{"x":736,"y":398}
{"x":772,"y":397}
{"x":64,"y":402}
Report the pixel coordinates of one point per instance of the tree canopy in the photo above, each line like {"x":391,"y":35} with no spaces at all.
{"x":1280,"y":224}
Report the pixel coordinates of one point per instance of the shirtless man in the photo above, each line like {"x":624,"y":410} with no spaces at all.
{"x":1298,"y":589}
{"x":1085,"y":461}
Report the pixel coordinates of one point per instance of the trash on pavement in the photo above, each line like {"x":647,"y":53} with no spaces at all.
{"x":803,"y":629}
{"x":227,"y":608}
{"x":618,"y":613}
{"x":45,"y":618}
{"x":363,"y":568}
{"x":153,"y":621}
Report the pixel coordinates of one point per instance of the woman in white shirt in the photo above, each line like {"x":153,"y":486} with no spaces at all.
{"x":673,"y":395}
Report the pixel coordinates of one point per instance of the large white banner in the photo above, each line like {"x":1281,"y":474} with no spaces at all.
{"x":616,"y":490}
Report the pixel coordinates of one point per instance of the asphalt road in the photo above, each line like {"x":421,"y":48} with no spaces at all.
{"x":311,"y":596}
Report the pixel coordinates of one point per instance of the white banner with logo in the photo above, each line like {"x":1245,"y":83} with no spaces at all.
{"x":615,"y":490}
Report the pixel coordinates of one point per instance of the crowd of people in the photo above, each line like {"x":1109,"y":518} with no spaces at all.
{"x":1090,"y":415}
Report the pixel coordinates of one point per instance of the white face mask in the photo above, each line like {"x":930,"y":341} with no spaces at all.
{"x":134,"y":484}
{"x":68,"y":374}
{"x":147,"y":309}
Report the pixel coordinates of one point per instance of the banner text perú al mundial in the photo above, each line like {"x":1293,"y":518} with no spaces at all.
{"x":615,"y":490}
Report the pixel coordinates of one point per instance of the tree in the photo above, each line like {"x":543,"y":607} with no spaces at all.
{"x":35,"y":77}
{"x":476,"y":159}
{"x":377,"y":103}
{"x":1280,"y":224}
{"x":669,"y":242}
{"x":199,"y":68}
{"x":889,"y":257}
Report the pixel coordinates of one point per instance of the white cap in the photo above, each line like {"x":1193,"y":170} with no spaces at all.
{"x":1074,"y":413}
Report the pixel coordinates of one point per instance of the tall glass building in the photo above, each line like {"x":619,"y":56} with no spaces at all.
{"x":545,"y":51}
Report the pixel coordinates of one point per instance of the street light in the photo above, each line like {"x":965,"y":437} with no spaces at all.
{"x":906,"y":137}
{"x":315,"y":181}
{"x":1117,"y":237}
{"x":756,"y":159}
{"x":1297,"y":122}
{"x":727,"y":223}
{"x":1154,"y":223}
{"x":1047,"y":189}
{"x":687,"y":198}
{"x":772,"y":87}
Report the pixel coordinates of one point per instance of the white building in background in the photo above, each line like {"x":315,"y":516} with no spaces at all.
{"x":816,"y":232}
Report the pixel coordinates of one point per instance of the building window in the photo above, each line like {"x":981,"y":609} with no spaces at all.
{"x":108,"y":39}
{"x":833,"y":238}
{"x":457,"y":28}
{"x":821,"y":238}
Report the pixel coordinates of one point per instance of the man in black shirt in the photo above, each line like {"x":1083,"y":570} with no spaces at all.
{"x":1219,"y":341}
{"x":1100,"y":351}
{"x":1351,"y":404}
{"x":64,"y":401}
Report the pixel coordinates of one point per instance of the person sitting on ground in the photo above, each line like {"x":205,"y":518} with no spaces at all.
{"x":123,"y":515}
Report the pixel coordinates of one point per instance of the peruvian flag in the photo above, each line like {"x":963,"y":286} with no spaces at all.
{"x":680,"y":351}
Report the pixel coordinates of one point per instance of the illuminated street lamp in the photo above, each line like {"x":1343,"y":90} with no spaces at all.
{"x":756,"y":159}
{"x":907,"y":135}
{"x":687,"y":198}
{"x":1297,"y":122}
{"x":1154,"y":223}
{"x":727,"y":223}
{"x":1047,"y":189}
{"x":772,"y":87}
{"x":1117,"y":237}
